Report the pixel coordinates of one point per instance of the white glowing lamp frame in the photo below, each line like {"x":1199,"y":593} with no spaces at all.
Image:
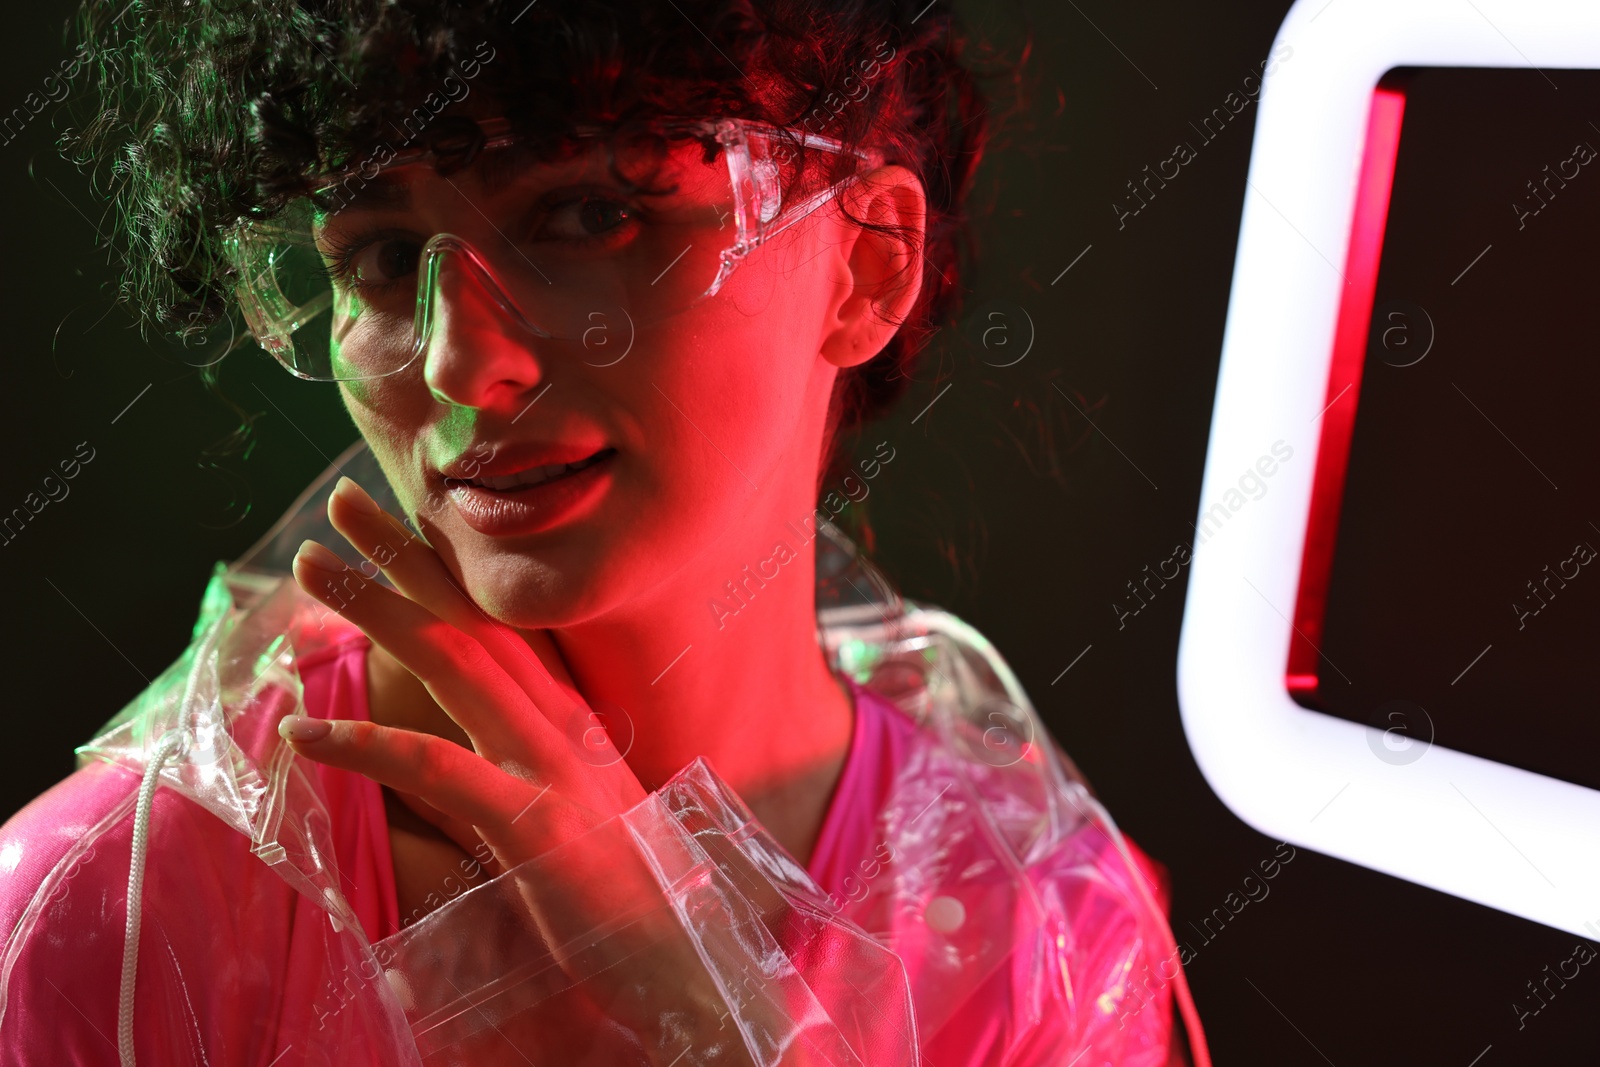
{"x":1504,"y":837}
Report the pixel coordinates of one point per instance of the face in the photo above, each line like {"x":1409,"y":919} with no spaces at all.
{"x":675,"y":421}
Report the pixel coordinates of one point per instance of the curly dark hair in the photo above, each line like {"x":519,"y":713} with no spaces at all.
{"x":203,"y":112}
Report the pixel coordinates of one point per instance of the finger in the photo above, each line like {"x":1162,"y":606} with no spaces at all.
{"x":405,"y":559}
{"x":462,"y":832}
{"x":461,"y":785}
{"x":419,"y":573}
{"x":468,"y":684}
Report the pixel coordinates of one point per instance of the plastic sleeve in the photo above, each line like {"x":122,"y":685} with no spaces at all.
{"x":677,"y":933}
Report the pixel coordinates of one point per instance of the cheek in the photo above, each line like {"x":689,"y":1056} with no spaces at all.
{"x":730,"y":391}
{"x":743,"y":360}
{"x":390,"y":418}
{"x":719,"y":400}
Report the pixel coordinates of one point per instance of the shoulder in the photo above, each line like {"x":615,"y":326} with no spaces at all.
{"x":63,"y":877}
{"x":59,"y":830}
{"x":975,"y":758}
{"x":38,"y":843}
{"x":1015,"y":895}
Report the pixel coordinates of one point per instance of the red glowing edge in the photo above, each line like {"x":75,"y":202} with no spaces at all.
{"x":1376,"y":180}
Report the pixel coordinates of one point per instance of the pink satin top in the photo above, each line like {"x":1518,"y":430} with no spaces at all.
{"x":335,"y":688}
{"x":283,"y":933}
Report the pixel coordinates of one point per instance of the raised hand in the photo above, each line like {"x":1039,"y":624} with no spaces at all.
{"x":539,"y":776}
{"x":524,"y":787}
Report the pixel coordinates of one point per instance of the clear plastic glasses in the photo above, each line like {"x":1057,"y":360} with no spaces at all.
{"x":361,"y":290}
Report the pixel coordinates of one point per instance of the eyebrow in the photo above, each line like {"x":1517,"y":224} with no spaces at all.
{"x":497,"y":170}
{"x":383,"y":191}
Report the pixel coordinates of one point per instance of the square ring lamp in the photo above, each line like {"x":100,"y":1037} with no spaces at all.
{"x":1363,"y":670}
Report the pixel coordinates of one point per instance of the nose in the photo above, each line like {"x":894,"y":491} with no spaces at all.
{"x":476,"y":346}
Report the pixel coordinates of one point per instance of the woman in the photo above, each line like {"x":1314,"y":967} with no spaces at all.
{"x":606,"y":289}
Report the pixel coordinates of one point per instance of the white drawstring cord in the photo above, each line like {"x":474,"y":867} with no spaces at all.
{"x":165,"y":749}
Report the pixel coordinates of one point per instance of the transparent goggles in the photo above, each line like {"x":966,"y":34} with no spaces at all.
{"x":361,"y":290}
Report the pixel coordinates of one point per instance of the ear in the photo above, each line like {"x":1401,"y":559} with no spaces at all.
{"x":878,"y":276}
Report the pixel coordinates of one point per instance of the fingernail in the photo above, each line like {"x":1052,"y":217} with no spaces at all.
{"x":320,"y":558}
{"x":303,"y":728}
{"x":356,"y":497}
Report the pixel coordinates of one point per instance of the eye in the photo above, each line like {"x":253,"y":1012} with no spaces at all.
{"x":383,"y":262}
{"x":586,"y":220}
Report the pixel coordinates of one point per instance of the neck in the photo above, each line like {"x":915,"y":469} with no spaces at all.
{"x":723,"y":662}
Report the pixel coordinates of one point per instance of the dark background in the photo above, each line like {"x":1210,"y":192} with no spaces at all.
{"x":1002,"y":505}
{"x":1469,"y":468}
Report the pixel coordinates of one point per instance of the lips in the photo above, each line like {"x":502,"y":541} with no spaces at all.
{"x":538,"y":475}
{"x":506,"y":496}
{"x":488,"y":460}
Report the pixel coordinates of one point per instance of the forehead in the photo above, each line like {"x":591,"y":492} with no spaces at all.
{"x":654,"y":163}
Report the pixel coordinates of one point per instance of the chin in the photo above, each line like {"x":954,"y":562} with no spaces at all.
{"x":573,"y":573}
{"x":525,"y":591}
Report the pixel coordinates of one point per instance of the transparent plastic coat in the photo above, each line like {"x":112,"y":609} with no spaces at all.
{"x":1001,"y":919}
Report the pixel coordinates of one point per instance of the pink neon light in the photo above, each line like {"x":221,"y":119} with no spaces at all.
{"x":1303,"y":676}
